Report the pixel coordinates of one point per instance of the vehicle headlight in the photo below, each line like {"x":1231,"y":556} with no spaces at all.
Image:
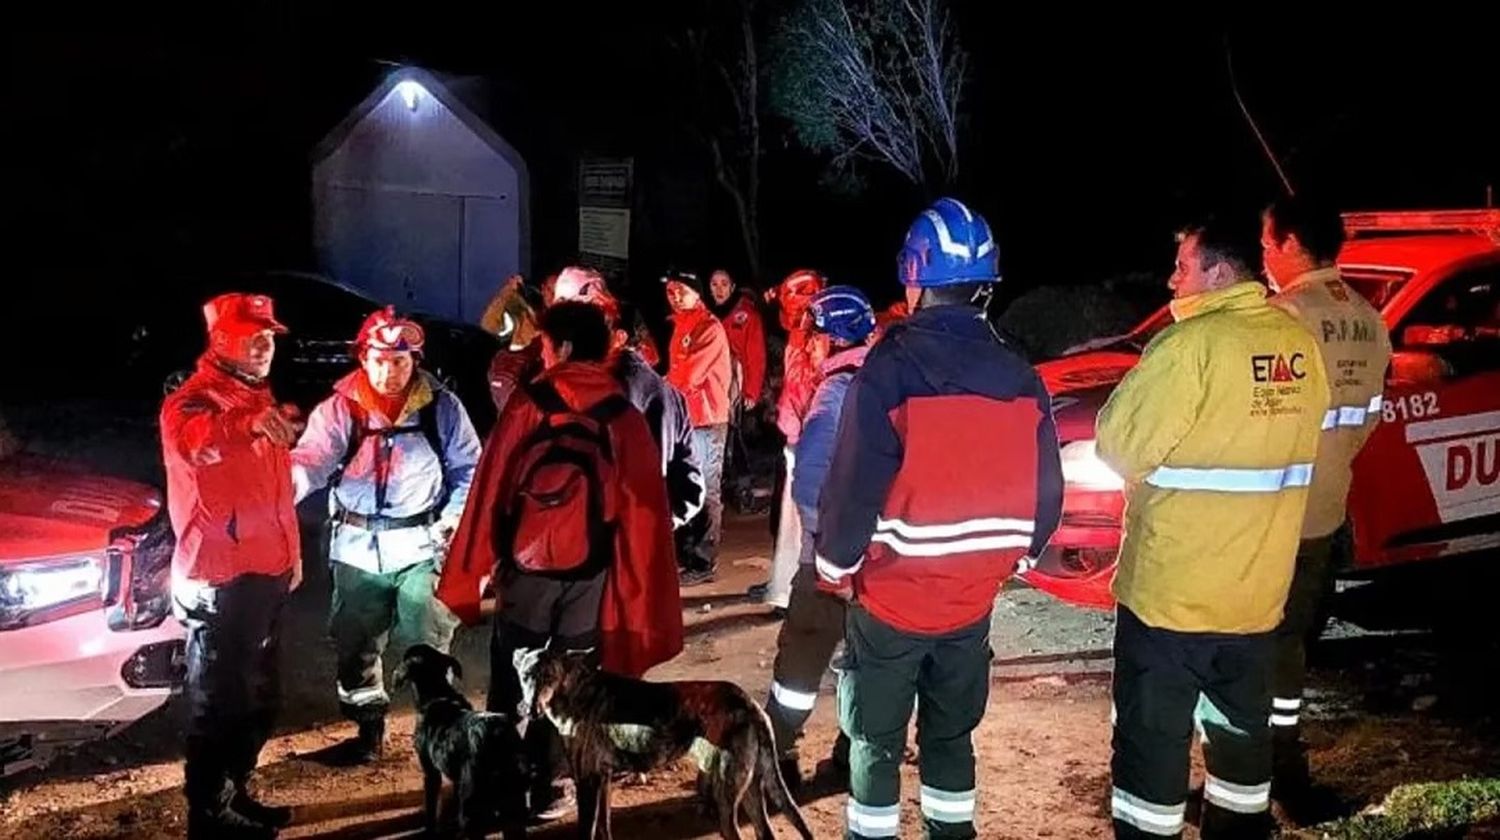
{"x":35,"y":591}
{"x":1082,"y":467}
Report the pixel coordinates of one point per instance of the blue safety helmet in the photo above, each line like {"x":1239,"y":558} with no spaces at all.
{"x":844,"y":313}
{"x":947,"y":245}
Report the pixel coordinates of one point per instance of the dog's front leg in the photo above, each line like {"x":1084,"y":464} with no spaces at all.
{"x":432,"y":785}
{"x":588,"y":804}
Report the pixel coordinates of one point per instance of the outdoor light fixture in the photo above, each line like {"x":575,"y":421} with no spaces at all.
{"x":410,"y":92}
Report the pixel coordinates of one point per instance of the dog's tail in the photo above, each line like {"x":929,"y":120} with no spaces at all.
{"x":771,"y":781}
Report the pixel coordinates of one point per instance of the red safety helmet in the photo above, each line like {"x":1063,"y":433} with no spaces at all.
{"x":385,"y":330}
{"x":795,"y":294}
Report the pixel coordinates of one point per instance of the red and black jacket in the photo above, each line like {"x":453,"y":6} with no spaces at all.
{"x":945,"y":473}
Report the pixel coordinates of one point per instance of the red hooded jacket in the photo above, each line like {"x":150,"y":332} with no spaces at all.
{"x":229,"y":492}
{"x":640,"y":617}
{"x":801,"y":373}
{"x":701,"y":366}
{"x":747,"y":341}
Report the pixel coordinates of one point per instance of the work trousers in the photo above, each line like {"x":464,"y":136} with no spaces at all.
{"x":1304,"y":607}
{"x":813,"y":627}
{"x":947,"y":676}
{"x":233,"y":686}
{"x":537,"y":610}
{"x":701,"y":537}
{"x":1167,"y":683}
{"x":366,"y":609}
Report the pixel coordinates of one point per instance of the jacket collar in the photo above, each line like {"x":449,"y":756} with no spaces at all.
{"x":582,"y":384}
{"x":1316,"y":277}
{"x":423,"y":390}
{"x":692,"y":317}
{"x":226,"y":374}
{"x":850,"y":357}
{"x":1246,"y":294}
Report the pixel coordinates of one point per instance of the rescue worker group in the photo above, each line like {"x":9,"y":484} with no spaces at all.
{"x":922,"y":472}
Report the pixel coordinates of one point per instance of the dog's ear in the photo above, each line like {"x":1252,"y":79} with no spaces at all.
{"x":454,"y":666}
{"x":398,"y":676}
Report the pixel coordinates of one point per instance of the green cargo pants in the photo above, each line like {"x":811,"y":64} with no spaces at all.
{"x":886,"y":670}
{"x":1304,"y":603}
{"x":366,"y":607}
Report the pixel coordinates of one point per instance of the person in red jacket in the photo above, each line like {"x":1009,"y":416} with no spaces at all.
{"x":227,"y":451}
{"x":737,"y":311}
{"x":700,"y":368}
{"x":630,"y":610}
{"x":801,"y":371}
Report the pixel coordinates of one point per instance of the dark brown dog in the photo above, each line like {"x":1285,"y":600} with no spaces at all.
{"x":610,"y":723}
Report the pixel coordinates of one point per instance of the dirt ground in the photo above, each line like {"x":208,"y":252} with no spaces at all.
{"x":1043,"y":748}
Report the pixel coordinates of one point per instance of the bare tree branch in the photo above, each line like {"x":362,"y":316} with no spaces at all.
{"x":888,"y":76}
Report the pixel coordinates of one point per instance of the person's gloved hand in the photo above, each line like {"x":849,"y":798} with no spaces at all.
{"x":276,"y":424}
{"x":1026,"y":564}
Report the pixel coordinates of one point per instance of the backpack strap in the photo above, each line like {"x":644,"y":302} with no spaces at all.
{"x":607,"y":409}
{"x":545,"y":395}
{"x":359,"y":429}
{"x":427,"y":425}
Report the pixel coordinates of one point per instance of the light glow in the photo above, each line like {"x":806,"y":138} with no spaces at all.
{"x":411,"y":92}
{"x":1082,"y":467}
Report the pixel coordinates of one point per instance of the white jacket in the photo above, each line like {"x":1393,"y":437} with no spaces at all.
{"x":418,"y":481}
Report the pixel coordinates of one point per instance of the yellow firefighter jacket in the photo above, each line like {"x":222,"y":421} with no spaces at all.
{"x":1215,"y":432}
{"x":1356,"y":351}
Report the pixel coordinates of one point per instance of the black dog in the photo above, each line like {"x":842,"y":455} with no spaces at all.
{"x":611,"y":723}
{"x":479,"y":752}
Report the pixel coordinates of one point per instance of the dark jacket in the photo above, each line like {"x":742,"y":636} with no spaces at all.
{"x":666,"y":413}
{"x":945,"y":473}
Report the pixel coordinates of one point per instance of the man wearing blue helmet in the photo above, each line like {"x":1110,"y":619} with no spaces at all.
{"x":843,"y":325}
{"x":944,"y":479}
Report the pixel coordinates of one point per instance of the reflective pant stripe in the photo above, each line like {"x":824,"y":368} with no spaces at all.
{"x":1163,"y":820}
{"x":873,"y":820}
{"x":1241,"y":799}
{"x":1284,"y":710}
{"x":799,"y":701}
{"x":947,"y":806}
{"x":363,"y":696}
{"x":1231,"y":480}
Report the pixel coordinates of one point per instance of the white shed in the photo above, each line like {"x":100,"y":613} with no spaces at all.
{"x":418,"y":202}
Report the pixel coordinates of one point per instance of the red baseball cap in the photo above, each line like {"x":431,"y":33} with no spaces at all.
{"x":239,"y":313}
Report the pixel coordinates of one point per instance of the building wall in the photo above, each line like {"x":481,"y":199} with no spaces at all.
{"x":418,"y":210}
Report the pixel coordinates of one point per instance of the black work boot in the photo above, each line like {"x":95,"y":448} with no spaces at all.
{"x":275,"y":816}
{"x":216,"y":818}
{"x":369,"y":744}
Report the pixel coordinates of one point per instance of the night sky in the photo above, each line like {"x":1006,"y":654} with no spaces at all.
{"x":145,"y":148}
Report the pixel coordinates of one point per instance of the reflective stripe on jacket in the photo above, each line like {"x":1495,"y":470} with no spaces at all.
{"x":1215,"y":432}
